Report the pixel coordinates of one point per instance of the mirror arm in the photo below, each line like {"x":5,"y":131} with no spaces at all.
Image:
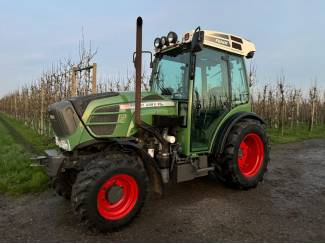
{"x":149,"y":52}
{"x":192,"y":66}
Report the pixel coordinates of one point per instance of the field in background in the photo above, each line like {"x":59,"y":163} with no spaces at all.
{"x":283,"y":106}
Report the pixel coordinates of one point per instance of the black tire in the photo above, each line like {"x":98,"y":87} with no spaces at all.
{"x":227,"y":167}
{"x":90,"y":181}
{"x":62,"y":183}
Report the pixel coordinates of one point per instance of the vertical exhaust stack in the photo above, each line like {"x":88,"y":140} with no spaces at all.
{"x":138,"y":71}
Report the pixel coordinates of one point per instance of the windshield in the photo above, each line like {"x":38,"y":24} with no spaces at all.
{"x":170,"y":75}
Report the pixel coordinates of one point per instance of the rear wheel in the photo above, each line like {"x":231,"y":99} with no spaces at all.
{"x":246,"y":155}
{"x":110,"y":191}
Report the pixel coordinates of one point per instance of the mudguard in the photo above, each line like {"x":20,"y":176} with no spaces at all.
{"x":220,"y":139}
{"x":149,"y":164}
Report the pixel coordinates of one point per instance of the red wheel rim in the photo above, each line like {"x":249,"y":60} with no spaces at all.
{"x":250,"y":155}
{"x":116,"y":205}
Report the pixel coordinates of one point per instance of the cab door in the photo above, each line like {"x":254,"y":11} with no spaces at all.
{"x":211,"y":96}
{"x":220,"y":85}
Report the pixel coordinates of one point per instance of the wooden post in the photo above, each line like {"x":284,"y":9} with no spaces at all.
{"x":11,"y":105}
{"x":74,"y":82}
{"x":15,"y":105}
{"x":94,"y":79}
{"x":312,"y":115}
{"x":42,"y":109}
{"x":297,"y":112}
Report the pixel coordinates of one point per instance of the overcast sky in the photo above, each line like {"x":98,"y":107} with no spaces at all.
{"x":289,"y":35}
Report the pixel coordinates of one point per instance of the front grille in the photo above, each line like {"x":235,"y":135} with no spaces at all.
{"x":103,"y":129}
{"x":103,"y":118}
{"x":102,"y":121}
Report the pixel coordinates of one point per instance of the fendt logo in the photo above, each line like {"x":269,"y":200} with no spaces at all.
{"x":222,"y":42}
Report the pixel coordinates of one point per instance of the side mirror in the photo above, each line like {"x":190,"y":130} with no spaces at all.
{"x":148,"y":52}
{"x":197,"y":40}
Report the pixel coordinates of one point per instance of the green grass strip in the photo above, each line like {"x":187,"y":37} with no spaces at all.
{"x":16,"y":175}
{"x":298,"y":133}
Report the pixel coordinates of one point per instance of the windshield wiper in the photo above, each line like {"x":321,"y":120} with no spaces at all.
{"x":164,"y":91}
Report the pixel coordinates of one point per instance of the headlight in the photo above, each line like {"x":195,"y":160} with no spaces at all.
{"x":164,"y":41}
{"x":157,"y":43}
{"x":172,"y":37}
{"x":63,"y":143}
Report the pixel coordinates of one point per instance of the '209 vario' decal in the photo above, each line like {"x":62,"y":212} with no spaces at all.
{"x":149,"y":104}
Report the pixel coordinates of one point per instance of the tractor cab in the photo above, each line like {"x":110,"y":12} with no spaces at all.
{"x":205,"y":74}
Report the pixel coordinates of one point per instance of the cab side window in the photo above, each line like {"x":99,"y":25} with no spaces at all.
{"x":210,"y":96}
{"x":211,"y":83}
{"x":239,"y":87}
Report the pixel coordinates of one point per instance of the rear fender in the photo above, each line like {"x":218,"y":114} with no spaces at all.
{"x":222,"y":134}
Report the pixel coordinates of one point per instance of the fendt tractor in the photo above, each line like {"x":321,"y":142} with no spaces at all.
{"x":195,"y":121}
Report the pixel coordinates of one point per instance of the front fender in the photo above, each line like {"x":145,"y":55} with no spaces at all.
{"x":150,"y":165}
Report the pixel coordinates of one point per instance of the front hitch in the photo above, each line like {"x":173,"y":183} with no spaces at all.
{"x":39,"y":161}
{"x":52,"y":161}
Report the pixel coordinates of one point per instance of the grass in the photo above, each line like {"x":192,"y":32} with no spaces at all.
{"x":39,"y":142}
{"x":299,"y":133}
{"x":16,"y":175}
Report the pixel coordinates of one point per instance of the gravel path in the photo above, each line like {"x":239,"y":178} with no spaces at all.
{"x":288,"y":206}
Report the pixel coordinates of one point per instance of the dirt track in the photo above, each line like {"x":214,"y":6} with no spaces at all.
{"x":288,"y":206}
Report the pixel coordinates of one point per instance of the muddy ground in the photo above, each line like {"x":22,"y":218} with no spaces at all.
{"x":288,"y":206}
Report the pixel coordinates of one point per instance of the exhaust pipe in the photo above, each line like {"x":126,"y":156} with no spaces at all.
{"x":138,"y":71}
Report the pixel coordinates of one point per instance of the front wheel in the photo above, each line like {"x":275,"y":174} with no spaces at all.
{"x":110,"y":191}
{"x":246,"y":155}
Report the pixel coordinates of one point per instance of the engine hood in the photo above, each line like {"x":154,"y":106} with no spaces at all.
{"x":80,"y":103}
{"x":113,"y":116}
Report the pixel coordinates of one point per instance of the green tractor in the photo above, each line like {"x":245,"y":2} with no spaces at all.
{"x":195,"y":120}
